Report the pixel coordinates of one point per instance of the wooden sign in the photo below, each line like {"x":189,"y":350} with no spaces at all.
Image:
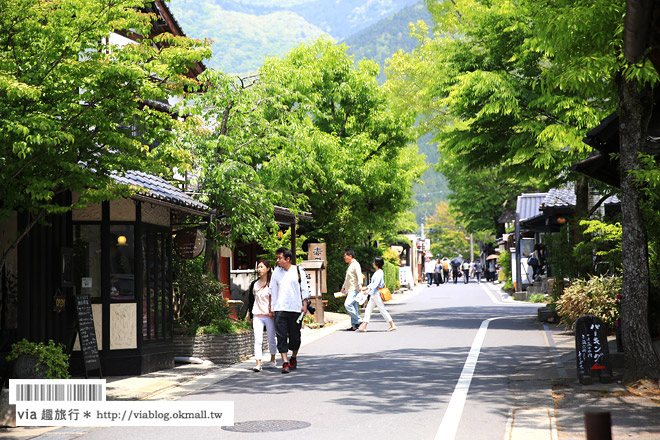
{"x":87,"y":335}
{"x":593,"y":353}
{"x":316,"y":251}
{"x":189,"y":244}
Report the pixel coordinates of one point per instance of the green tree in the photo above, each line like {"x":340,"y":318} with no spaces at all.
{"x":341,"y":145}
{"x":69,"y":97}
{"x":448,"y":238}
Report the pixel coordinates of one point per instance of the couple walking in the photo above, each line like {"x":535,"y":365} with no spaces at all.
{"x":353,"y":286}
{"x":278,"y":302}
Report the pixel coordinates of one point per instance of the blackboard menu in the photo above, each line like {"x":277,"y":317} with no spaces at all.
{"x":593,"y":353}
{"x":86,"y":334}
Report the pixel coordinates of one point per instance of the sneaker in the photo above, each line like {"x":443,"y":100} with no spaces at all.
{"x":293,"y":363}
{"x":256,"y":368}
{"x":272,"y":364}
{"x":285,"y":368}
{"x":391,"y":329}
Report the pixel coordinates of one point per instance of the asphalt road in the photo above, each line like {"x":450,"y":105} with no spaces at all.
{"x":441,"y":375}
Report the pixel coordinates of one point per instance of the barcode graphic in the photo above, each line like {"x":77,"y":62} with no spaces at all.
{"x":57,"y":390}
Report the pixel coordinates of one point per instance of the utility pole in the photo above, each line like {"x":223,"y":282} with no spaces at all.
{"x":471,"y":247}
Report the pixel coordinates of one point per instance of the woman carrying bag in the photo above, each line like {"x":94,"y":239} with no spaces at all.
{"x":377,"y":281}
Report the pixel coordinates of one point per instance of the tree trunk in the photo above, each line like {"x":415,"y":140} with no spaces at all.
{"x":641,"y":361}
{"x":581,"y":209}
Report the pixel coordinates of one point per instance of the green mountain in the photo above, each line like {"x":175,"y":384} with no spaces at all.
{"x":245,"y":32}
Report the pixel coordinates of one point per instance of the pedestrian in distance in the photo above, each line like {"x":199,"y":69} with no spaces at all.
{"x":261,"y":314}
{"x":289,"y":299}
{"x":438,"y":272}
{"x":466,"y":272}
{"x":455,"y":270}
{"x":351,"y":287}
{"x":429,"y":269}
{"x":477,"y":270}
{"x":377,"y":280}
{"x":445,"y":269}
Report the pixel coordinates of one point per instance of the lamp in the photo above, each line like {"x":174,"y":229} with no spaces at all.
{"x":561,"y":220}
{"x":121,"y":240}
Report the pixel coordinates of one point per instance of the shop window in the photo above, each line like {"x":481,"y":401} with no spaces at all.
{"x":87,"y":260}
{"x":122,"y":262}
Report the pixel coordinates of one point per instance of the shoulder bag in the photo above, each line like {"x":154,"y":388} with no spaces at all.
{"x":385,"y":293}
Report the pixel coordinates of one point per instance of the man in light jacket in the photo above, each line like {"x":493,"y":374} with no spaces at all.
{"x":351,"y":287}
{"x":288,"y":293}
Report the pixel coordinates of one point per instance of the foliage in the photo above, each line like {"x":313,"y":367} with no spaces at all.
{"x":51,"y":357}
{"x":224,"y":326}
{"x":335,"y":305}
{"x":504,"y":262}
{"x":391,"y":273}
{"x":73,"y":102}
{"x":598,"y":295}
{"x":392,"y":257}
{"x":198,"y":299}
{"x":313,"y":132}
{"x":448,"y":237}
{"x":599,"y":252}
{"x":537,"y":298}
{"x":501,"y":125}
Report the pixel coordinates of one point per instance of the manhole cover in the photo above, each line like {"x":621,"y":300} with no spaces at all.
{"x":267,"y":426}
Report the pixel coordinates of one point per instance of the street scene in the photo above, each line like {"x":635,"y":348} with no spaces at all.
{"x":330,"y":218}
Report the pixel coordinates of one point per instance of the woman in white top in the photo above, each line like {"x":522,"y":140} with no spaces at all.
{"x":259,"y":306}
{"x":377,"y":280}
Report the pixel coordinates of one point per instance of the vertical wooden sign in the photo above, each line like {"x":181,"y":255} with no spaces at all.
{"x":316,"y":251}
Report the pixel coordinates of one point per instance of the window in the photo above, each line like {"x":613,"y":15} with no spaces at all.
{"x":122,"y":262}
{"x":87,"y":260}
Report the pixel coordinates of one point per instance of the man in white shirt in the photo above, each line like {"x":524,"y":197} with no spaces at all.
{"x":288,"y":293}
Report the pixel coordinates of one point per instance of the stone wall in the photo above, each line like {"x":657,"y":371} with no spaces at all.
{"x":219,"y":349}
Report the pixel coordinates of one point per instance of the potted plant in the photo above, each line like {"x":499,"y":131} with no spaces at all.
{"x":36,"y":360}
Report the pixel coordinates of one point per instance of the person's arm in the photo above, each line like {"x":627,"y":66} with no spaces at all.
{"x":358,"y":271}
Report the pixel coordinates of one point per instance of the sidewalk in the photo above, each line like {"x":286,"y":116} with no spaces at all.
{"x":550,"y":403}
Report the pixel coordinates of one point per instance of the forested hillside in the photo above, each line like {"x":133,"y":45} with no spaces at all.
{"x":246,"y":31}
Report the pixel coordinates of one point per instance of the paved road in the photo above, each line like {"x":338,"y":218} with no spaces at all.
{"x":442,"y":375}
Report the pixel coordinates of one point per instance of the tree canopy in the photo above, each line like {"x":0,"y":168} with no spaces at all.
{"x":73,"y":102}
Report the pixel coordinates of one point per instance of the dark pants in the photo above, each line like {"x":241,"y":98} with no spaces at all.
{"x":287,"y":331}
{"x":466,"y":275}
{"x":446,"y":275}
{"x":438,"y":278}
{"x":455,"y":274}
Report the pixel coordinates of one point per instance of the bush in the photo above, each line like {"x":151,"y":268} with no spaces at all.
{"x":537,"y":298}
{"x":51,"y":357}
{"x":335,"y":305}
{"x":198,"y":299}
{"x":391,"y":273}
{"x":391,"y":256}
{"x":223,"y":327}
{"x":599,"y":296}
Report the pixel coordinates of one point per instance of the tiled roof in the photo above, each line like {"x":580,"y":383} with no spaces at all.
{"x":159,"y":189}
{"x":528,"y":205}
{"x":565,"y":197}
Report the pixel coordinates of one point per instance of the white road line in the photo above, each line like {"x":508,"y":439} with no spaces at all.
{"x":452,"y":418}
{"x":555,"y":354}
{"x":490,"y":293}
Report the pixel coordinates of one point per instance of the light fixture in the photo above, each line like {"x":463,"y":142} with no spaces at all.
{"x":121,"y":240}
{"x":561,"y":220}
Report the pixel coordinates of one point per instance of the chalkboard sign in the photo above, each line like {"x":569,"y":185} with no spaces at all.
{"x":87,"y":335}
{"x":593,"y":353}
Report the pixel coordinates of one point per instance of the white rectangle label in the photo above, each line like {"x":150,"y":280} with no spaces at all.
{"x":126,"y":413}
{"x":56,"y":390}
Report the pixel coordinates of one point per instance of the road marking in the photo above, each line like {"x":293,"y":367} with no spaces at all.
{"x":452,"y":418}
{"x":490,"y":293}
{"x":555,"y":354}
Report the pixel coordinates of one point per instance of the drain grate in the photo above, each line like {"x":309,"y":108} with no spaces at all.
{"x":267,"y":426}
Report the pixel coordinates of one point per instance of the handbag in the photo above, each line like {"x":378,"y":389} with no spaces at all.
{"x":385,"y":293}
